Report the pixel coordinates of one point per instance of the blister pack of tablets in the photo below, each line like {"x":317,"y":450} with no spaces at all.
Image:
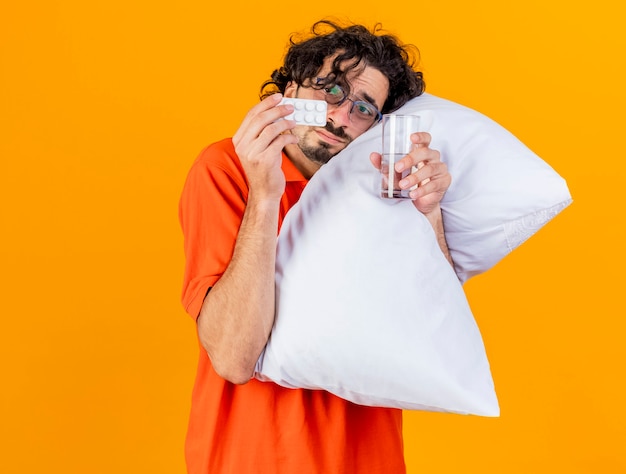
{"x":307,"y":111}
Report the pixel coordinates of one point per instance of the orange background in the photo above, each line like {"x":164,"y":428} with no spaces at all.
{"x":103,"y":107}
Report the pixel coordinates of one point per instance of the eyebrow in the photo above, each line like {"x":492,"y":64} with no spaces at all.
{"x":367,"y":97}
{"x":364,"y":95}
{"x":371,"y":100}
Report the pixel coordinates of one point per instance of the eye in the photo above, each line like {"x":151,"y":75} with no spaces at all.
{"x":364,"y":109}
{"x":334,"y":92}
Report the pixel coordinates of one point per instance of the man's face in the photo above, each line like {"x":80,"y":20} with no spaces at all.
{"x":320,"y":144}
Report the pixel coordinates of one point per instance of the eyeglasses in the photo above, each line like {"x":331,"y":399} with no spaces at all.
{"x":362,"y":114}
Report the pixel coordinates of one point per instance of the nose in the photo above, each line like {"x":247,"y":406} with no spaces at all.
{"x":340,"y":114}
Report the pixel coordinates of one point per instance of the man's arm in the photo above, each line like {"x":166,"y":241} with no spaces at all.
{"x":237,"y":314}
{"x":436,"y":221}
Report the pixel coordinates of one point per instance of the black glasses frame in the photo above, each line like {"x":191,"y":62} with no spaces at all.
{"x":321,"y":81}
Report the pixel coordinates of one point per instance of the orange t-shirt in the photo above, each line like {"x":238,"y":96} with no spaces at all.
{"x":260,"y":427}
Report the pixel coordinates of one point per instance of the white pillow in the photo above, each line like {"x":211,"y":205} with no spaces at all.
{"x":367,"y":306}
{"x":501,"y":192}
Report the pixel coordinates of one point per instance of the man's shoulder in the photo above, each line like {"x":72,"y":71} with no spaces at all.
{"x":220,"y":154}
{"x":215,"y":169}
{"x":218,"y":151}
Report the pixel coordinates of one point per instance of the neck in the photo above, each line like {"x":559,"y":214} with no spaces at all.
{"x":307,"y":167}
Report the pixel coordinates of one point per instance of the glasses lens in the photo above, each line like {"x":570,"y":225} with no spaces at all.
{"x":362,"y":114}
{"x":334,"y":94}
{"x":364,"y":111}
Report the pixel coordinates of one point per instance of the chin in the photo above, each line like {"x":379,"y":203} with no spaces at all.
{"x":318,"y":154}
{"x":316,"y":151}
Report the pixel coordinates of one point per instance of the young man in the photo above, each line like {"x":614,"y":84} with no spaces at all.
{"x":233,"y":203}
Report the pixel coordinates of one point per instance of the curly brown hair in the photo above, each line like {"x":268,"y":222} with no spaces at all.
{"x":358,"y":46}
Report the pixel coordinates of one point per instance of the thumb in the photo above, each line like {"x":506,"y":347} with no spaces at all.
{"x":376,"y":159}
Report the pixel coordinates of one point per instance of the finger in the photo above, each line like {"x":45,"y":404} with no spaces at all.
{"x":423,"y":155}
{"x":270,"y":158}
{"x":262,"y":144}
{"x":262,"y":114}
{"x":432,"y":189}
{"x":266,"y":104}
{"x":279,"y":142}
{"x":426,"y":154}
{"x":376,"y":159}
{"x":255,"y":140}
{"x":421,"y":139}
{"x":425,"y":172}
{"x":417,"y":157}
{"x":435,"y":187}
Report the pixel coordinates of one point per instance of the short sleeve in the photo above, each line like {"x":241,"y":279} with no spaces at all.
{"x":211,"y":208}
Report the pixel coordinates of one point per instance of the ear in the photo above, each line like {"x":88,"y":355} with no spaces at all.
{"x":291,"y":89}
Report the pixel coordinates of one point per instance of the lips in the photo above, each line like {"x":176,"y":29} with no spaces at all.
{"x":328,"y":137}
